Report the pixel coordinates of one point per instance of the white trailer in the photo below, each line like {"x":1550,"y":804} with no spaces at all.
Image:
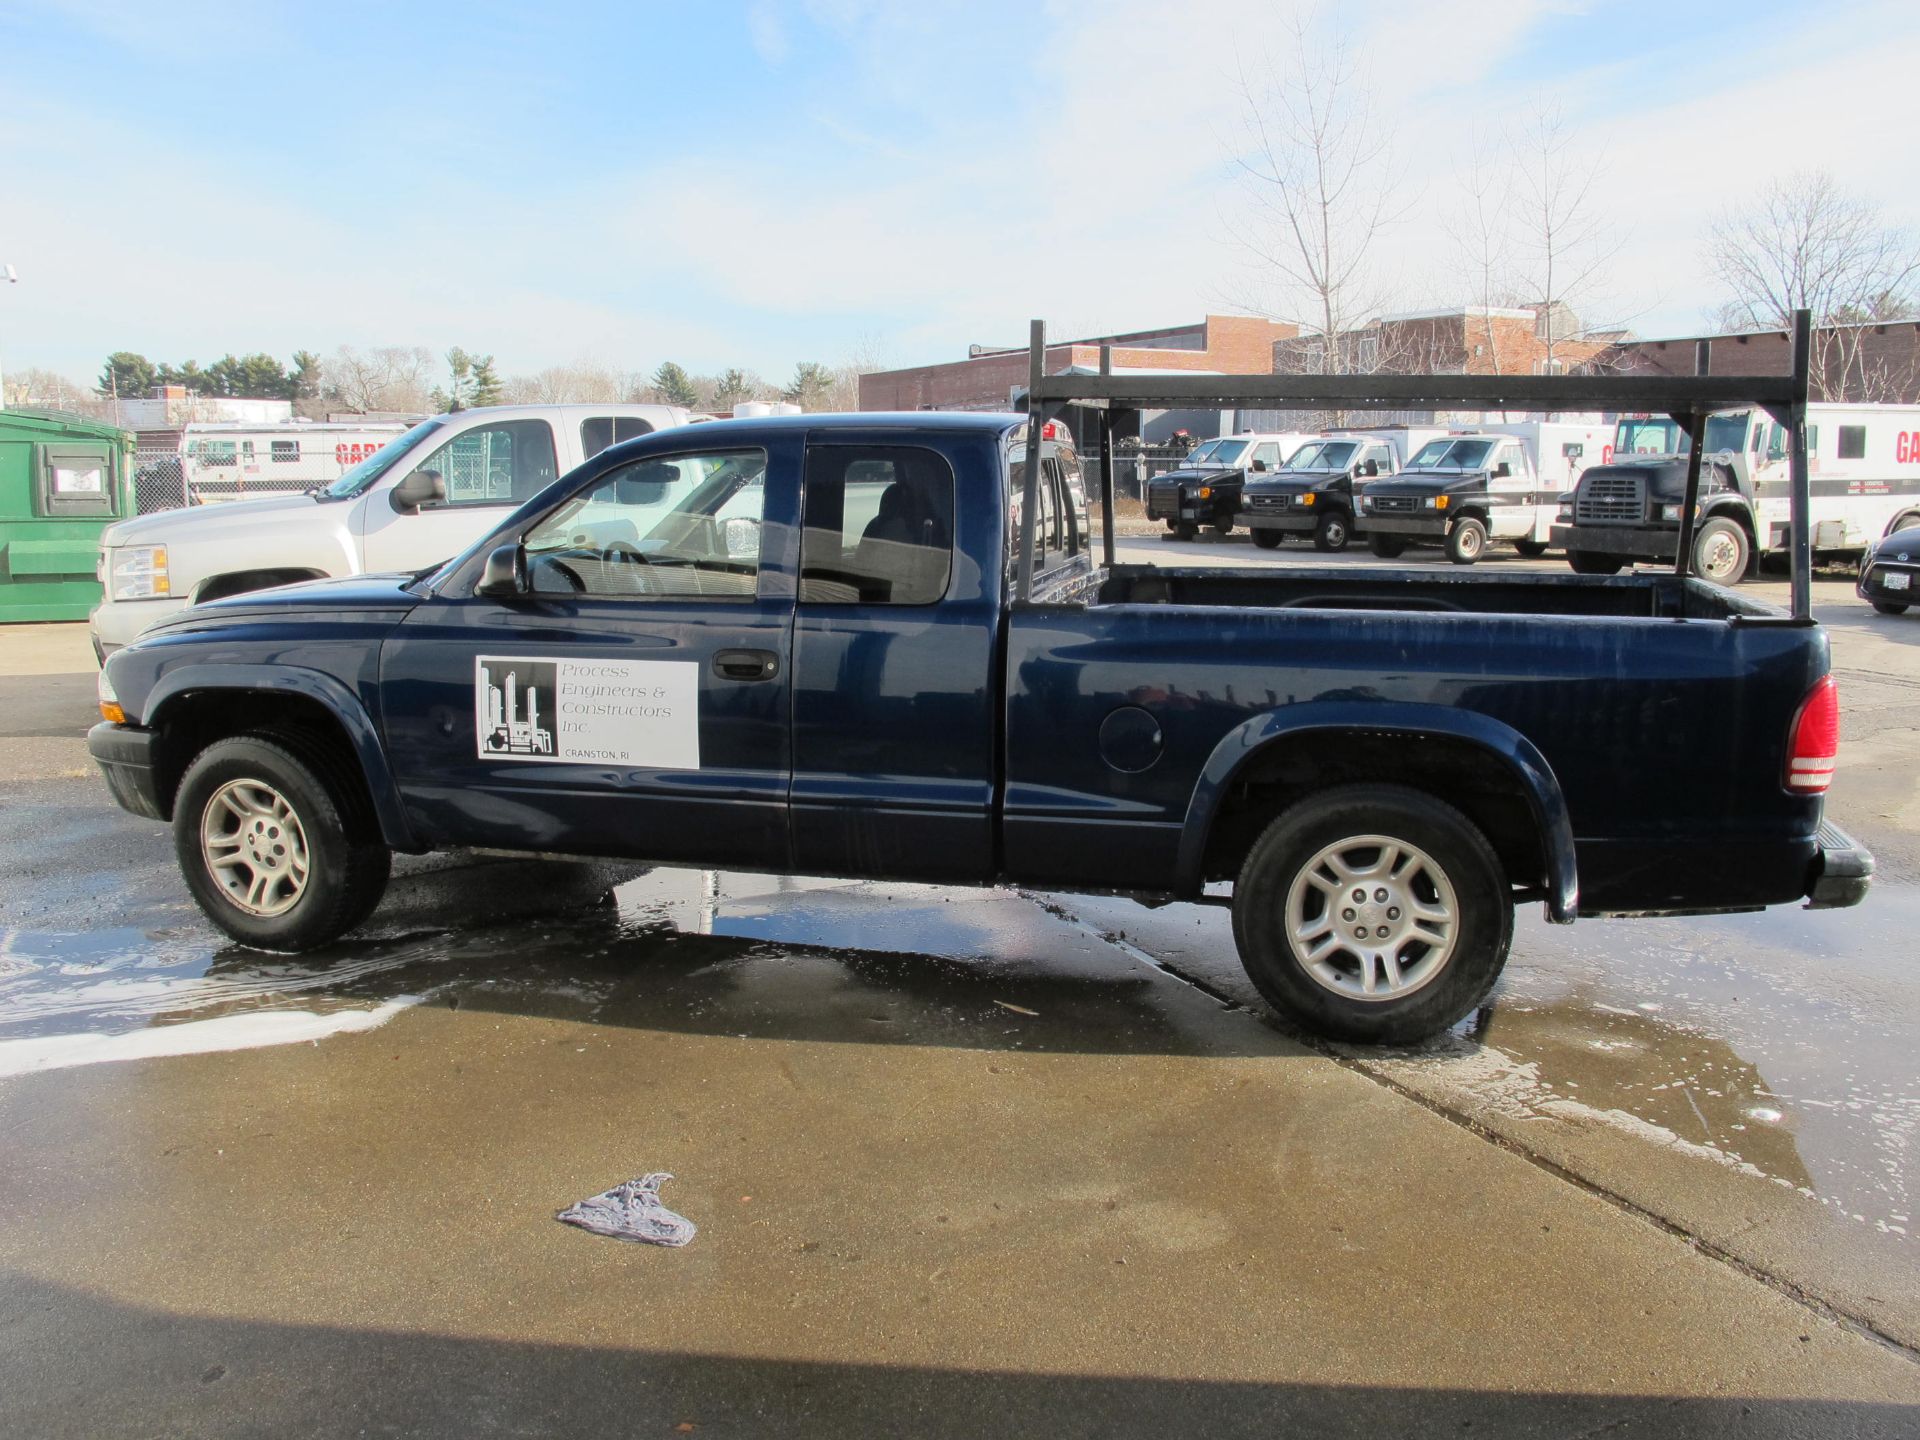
{"x":243,"y":462}
{"x":1863,"y":467}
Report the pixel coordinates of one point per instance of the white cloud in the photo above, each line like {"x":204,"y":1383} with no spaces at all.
{"x":767,"y":32}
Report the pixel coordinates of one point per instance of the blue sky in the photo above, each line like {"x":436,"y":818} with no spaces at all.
{"x":761,"y":183}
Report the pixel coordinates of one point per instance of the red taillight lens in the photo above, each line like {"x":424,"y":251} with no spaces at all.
{"x":1815,"y":740}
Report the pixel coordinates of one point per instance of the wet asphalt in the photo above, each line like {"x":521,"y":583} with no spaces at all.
{"x":963,"y":1162}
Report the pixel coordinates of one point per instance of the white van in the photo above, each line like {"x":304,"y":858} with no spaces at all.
{"x":225,"y":462}
{"x":416,"y":501}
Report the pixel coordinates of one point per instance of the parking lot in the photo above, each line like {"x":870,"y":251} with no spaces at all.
{"x":962,"y":1162}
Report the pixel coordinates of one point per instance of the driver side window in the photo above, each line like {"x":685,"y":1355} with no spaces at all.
{"x":672,"y":526}
{"x":500,"y":464}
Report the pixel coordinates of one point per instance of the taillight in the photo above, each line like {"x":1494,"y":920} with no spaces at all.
{"x":1815,"y":740}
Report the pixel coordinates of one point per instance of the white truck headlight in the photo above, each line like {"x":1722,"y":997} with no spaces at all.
{"x":1669,"y":512}
{"x":1565,"y":512}
{"x":138,"y":572}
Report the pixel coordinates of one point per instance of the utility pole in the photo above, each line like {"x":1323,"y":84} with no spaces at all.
{"x":8,"y":274}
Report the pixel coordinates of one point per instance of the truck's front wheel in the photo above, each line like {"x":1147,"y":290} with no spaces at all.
{"x":1467,"y":541}
{"x":1721,"y":552}
{"x":1592,"y":562}
{"x":274,"y":847}
{"x":1373,"y":913}
{"x":1387,"y":547}
{"x":1332,"y":532}
{"x":1268,"y":539}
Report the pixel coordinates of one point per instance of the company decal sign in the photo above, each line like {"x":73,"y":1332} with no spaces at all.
{"x":587,"y":712}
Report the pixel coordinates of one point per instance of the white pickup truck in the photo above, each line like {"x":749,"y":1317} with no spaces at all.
{"x":413,"y":503}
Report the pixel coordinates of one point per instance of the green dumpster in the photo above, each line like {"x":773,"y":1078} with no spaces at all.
{"x":62,"y":481}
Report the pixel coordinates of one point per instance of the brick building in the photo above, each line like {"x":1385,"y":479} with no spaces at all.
{"x":1228,"y":344}
{"x":1460,"y":340}
{"x":1859,"y":363}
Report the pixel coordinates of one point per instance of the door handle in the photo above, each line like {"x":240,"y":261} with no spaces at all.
{"x":746,"y":664}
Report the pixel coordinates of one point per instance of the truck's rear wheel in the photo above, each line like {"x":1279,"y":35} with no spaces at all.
{"x":1387,"y":547}
{"x":1331,"y":532}
{"x":1592,"y":562}
{"x":1531,"y":549}
{"x":274,"y":849}
{"x":1373,"y":913}
{"x":1888,"y":607}
{"x":1268,"y":539}
{"x":1721,"y":552}
{"x":1467,"y":540}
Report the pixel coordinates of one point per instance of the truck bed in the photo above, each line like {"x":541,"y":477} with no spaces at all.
{"x":1643,"y":596}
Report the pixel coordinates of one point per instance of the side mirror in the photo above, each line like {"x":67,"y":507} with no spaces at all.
{"x":1259,"y":464}
{"x":1370,"y":469}
{"x":1502,"y":470}
{"x":422,"y":487}
{"x":505,"y":573}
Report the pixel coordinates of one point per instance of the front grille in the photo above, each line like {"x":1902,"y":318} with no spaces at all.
{"x":1267,"y":502}
{"x":1389,"y":504}
{"x":1610,"y":500}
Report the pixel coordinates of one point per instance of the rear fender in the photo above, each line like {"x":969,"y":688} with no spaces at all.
{"x":332,"y":696}
{"x":1243,"y":745}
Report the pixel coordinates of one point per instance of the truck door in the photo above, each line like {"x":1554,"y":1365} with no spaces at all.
{"x":894,"y":645}
{"x":636,"y":701}
{"x":485,"y":471}
{"x":1511,"y":498}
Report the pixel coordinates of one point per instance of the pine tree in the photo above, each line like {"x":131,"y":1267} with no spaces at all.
{"x":673,"y":386}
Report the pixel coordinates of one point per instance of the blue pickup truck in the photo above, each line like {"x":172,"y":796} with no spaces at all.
{"x":805,"y":644}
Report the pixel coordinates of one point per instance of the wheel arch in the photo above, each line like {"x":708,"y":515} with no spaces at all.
{"x":263,"y":577}
{"x":196,"y":705}
{"x":1482,"y":766}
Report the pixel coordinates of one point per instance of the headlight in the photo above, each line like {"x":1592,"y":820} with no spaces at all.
{"x":1669,"y":512}
{"x":1565,"y":512}
{"x":138,"y":572}
{"x":109,"y":702}
{"x":1366,"y":502}
{"x":1306,"y":499}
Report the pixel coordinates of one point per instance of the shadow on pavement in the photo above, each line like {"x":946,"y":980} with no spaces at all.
{"x":77,"y":1364}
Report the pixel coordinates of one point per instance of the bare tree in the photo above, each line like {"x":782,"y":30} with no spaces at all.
{"x":1318,"y":171}
{"x":1478,"y":221}
{"x":584,"y":381}
{"x":1807,"y":244}
{"x":1564,"y":240}
{"x":35,"y":388}
{"x":387,"y":377}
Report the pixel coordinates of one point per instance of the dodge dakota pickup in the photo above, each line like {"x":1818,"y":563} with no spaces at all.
{"x":835,"y":653}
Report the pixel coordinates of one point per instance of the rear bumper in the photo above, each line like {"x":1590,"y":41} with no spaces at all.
{"x":1842,"y":873}
{"x":125,"y":756}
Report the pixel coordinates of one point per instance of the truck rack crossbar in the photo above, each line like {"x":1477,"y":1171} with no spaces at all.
{"x":1687,"y":399}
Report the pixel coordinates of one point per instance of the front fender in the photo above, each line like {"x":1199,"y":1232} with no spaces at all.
{"x":315,"y":685}
{"x":1241,"y":746}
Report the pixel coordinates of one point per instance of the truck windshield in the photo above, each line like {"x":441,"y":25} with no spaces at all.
{"x":1664,"y":437}
{"x":1322,"y":455}
{"x":377,"y":464}
{"x":1451,"y":455}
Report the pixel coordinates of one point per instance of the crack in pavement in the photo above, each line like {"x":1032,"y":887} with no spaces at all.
{"x":1846,"y":1319}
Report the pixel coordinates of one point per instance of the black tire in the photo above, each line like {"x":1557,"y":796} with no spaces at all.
{"x":1722,"y":552}
{"x":1467,"y":540}
{"x":1181,"y":530}
{"x":1592,"y":562}
{"x":1387,"y":547}
{"x":1888,"y":607}
{"x":1531,"y":549}
{"x":1223,"y":526}
{"x":1332,"y":531}
{"x":346,"y":862}
{"x":1268,"y":539}
{"x":1299,"y":840}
